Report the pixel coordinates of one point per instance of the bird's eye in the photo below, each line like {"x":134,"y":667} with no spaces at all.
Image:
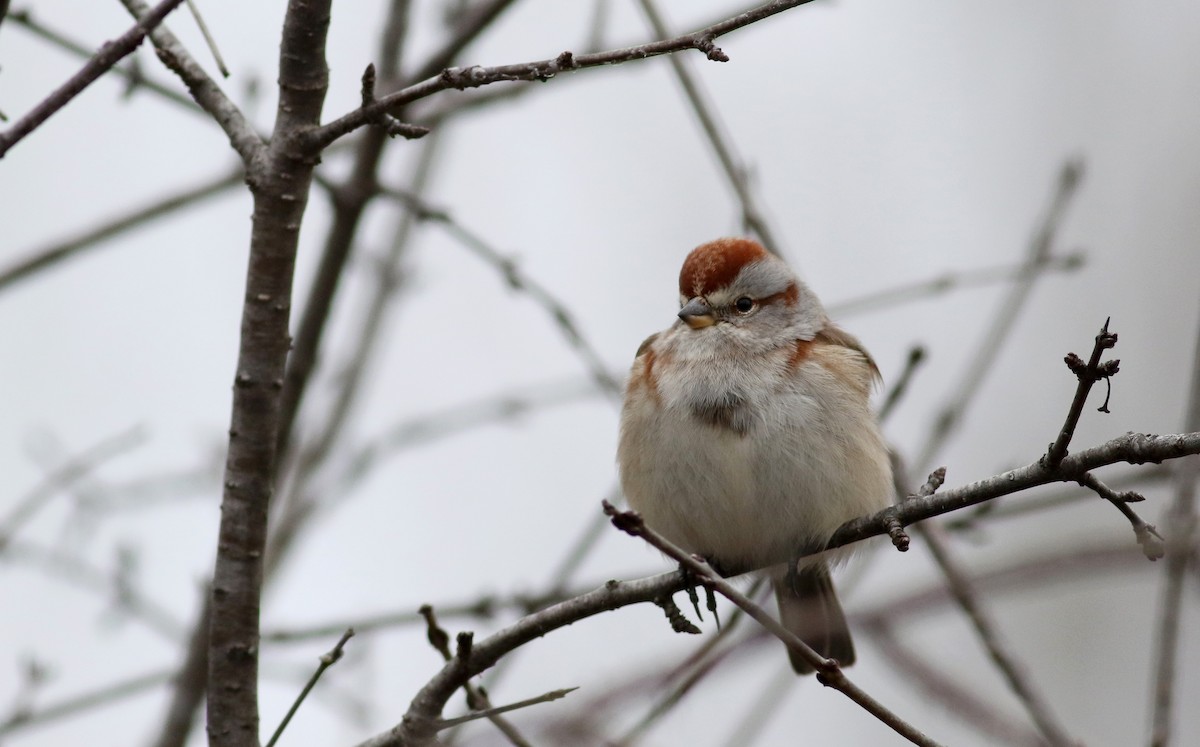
{"x":744,"y":305}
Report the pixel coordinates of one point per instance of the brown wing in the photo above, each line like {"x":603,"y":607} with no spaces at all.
{"x":834,"y":335}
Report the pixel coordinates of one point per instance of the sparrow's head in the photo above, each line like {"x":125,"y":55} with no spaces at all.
{"x":738,"y":283}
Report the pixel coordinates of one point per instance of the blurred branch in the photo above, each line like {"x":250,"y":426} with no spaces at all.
{"x":428,"y":429}
{"x":71,"y":471}
{"x":770,"y":698}
{"x":76,"y":570}
{"x":208,"y":38}
{"x":104,"y":695}
{"x":24,"y":18}
{"x":475,"y":75}
{"x":955,"y":699}
{"x":955,"y":281}
{"x":916,"y":356}
{"x":519,"y":281}
{"x":1181,"y":536}
{"x":108,"y":55}
{"x":50,"y":256}
{"x":733,"y":165}
{"x":698,"y":665}
{"x":1013,"y":671}
{"x":992,"y":342}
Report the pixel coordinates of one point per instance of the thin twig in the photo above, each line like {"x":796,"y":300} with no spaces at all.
{"x":108,"y":55}
{"x":50,"y":256}
{"x":497,"y":710}
{"x":1088,"y":374}
{"x":208,"y":38}
{"x":350,"y":201}
{"x":326,"y":661}
{"x":1153,"y":544}
{"x":735,"y":168}
{"x":475,"y":76}
{"x":477,"y":699}
{"x":1181,"y":520}
{"x":828,"y":671}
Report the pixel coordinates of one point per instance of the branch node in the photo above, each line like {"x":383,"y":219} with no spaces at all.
{"x":895,"y":530}
{"x":707,"y":45}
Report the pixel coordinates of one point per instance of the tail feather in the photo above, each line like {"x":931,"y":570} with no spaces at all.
{"x":809,"y":607}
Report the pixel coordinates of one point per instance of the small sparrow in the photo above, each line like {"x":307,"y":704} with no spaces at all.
{"x":747,"y":435}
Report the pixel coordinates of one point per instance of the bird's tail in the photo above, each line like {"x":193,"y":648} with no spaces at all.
{"x":809,"y":607}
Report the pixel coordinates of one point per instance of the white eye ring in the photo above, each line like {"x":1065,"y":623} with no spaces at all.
{"x":744,"y":305}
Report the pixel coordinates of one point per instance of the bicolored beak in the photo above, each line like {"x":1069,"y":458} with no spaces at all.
{"x":696,"y":314}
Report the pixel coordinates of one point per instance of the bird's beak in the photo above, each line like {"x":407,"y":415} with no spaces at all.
{"x":696,"y":314}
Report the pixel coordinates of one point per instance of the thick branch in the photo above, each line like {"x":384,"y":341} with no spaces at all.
{"x":280,"y":184}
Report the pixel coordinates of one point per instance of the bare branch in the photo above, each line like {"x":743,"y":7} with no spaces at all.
{"x":208,"y":38}
{"x":245,"y":141}
{"x":829,"y":673}
{"x":1134,"y":448}
{"x":109,"y":55}
{"x":25,"y":19}
{"x":475,"y":76}
{"x":50,"y":256}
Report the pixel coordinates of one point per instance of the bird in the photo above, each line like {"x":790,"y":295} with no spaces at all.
{"x":747,"y":435}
